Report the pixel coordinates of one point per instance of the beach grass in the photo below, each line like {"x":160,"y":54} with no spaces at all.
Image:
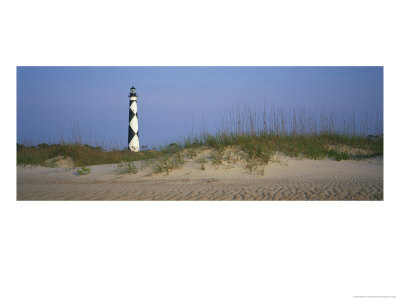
{"x":264,"y":147}
{"x":258,"y":149}
{"x":82,"y":155}
{"x":259,"y":133}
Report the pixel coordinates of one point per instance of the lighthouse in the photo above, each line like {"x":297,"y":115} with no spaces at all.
{"x":133,"y":135}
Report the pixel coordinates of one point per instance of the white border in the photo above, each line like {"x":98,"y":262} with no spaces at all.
{"x":207,"y":250}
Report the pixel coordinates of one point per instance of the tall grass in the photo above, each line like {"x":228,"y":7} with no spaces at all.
{"x":82,"y":155}
{"x":81,"y":146}
{"x":262,"y":131}
{"x":259,"y":132}
{"x":283,"y":121}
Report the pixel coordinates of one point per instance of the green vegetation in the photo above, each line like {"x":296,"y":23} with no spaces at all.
{"x":261,"y":148}
{"x":254,"y":135}
{"x":261,"y":132}
{"x":132,"y":167}
{"x":258,"y":150}
{"x":83,"y":171}
{"x":127,"y":167}
{"x":217,"y":155}
{"x":82,"y":155}
{"x":202,"y":160}
{"x":171,"y":157}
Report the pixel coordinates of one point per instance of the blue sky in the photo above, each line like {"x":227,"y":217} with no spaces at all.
{"x":51,"y":100}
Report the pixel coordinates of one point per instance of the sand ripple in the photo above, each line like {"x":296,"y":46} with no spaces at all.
{"x":288,"y":180}
{"x":359,"y":188}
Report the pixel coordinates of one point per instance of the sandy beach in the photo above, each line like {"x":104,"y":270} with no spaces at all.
{"x":283,"y":179}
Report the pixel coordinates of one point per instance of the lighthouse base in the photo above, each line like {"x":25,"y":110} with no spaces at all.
{"x":134,"y":149}
{"x":134,"y":144}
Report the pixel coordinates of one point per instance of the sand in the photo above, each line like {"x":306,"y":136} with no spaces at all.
{"x":283,"y":179}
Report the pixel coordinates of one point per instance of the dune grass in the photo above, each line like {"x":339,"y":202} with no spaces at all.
{"x":260,"y":133}
{"x":257,"y":147}
{"x":263,"y":147}
{"x":82,"y":155}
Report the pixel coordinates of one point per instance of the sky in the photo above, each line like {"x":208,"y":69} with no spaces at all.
{"x":51,"y":101}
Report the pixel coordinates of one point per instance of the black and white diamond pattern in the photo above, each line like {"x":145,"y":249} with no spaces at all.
{"x":133,"y":136}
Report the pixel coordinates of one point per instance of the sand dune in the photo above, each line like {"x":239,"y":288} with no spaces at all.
{"x":284,"y":179}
